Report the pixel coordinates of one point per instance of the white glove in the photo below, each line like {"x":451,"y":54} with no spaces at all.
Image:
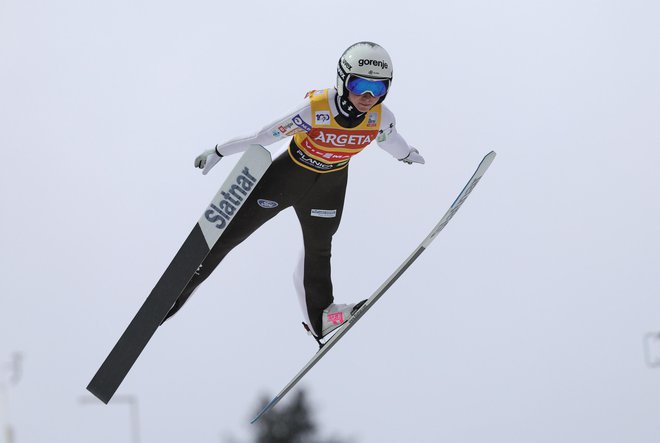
{"x":413,"y":157}
{"x":207,"y":160}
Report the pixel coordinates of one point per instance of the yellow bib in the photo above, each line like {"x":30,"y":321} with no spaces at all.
{"x":328,"y":146}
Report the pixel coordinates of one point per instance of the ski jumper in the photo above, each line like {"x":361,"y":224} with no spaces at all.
{"x":311,"y":177}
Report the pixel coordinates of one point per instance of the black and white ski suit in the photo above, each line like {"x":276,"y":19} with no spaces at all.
{"x":311,"y":177}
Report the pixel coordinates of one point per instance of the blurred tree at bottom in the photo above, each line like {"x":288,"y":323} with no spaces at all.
{"x":291,"y":422}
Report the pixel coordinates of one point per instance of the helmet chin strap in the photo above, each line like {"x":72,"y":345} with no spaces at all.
{"x":346,"y":108}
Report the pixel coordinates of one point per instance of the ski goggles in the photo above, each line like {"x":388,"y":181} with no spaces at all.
{"x":361,"y":85}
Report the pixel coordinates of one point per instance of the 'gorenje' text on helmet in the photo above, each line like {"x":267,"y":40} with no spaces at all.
{"x":363,"y":59}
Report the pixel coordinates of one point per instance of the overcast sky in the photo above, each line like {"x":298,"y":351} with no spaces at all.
{"x":523,"y":322}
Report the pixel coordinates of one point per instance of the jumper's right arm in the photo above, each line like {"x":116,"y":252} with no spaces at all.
{"x":294,"y":122}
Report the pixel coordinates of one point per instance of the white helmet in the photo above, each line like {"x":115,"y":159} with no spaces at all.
{"x":363,"y":59}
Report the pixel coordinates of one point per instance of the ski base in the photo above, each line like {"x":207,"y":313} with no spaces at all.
{"x":325,"y":347}
{"x":249,"y":169}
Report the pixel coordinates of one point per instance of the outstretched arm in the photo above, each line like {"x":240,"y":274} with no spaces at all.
{"x":294,"y":122}
{"x":391,"y":141}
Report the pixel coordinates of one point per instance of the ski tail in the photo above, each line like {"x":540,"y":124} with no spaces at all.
{"x":266,"y":408}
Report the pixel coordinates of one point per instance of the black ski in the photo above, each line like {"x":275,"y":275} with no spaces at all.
{"x":243,"y":178}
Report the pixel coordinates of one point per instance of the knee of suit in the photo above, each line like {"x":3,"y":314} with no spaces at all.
{"x":322,"y":246}
{"x":316,"y":253}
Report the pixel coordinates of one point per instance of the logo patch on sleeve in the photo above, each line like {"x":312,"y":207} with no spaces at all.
{"x":302,"y":124}
{"x":324,"y":213}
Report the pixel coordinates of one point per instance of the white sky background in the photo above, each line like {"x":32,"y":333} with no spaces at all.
{"x":524,"y":320}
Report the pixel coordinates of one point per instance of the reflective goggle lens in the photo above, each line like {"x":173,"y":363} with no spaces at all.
{"x":359,"y":86}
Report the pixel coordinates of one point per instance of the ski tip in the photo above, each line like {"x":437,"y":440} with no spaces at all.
{"x":487,"y":160}
{"x":262,"y":151}
{"x":265,"y":409}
